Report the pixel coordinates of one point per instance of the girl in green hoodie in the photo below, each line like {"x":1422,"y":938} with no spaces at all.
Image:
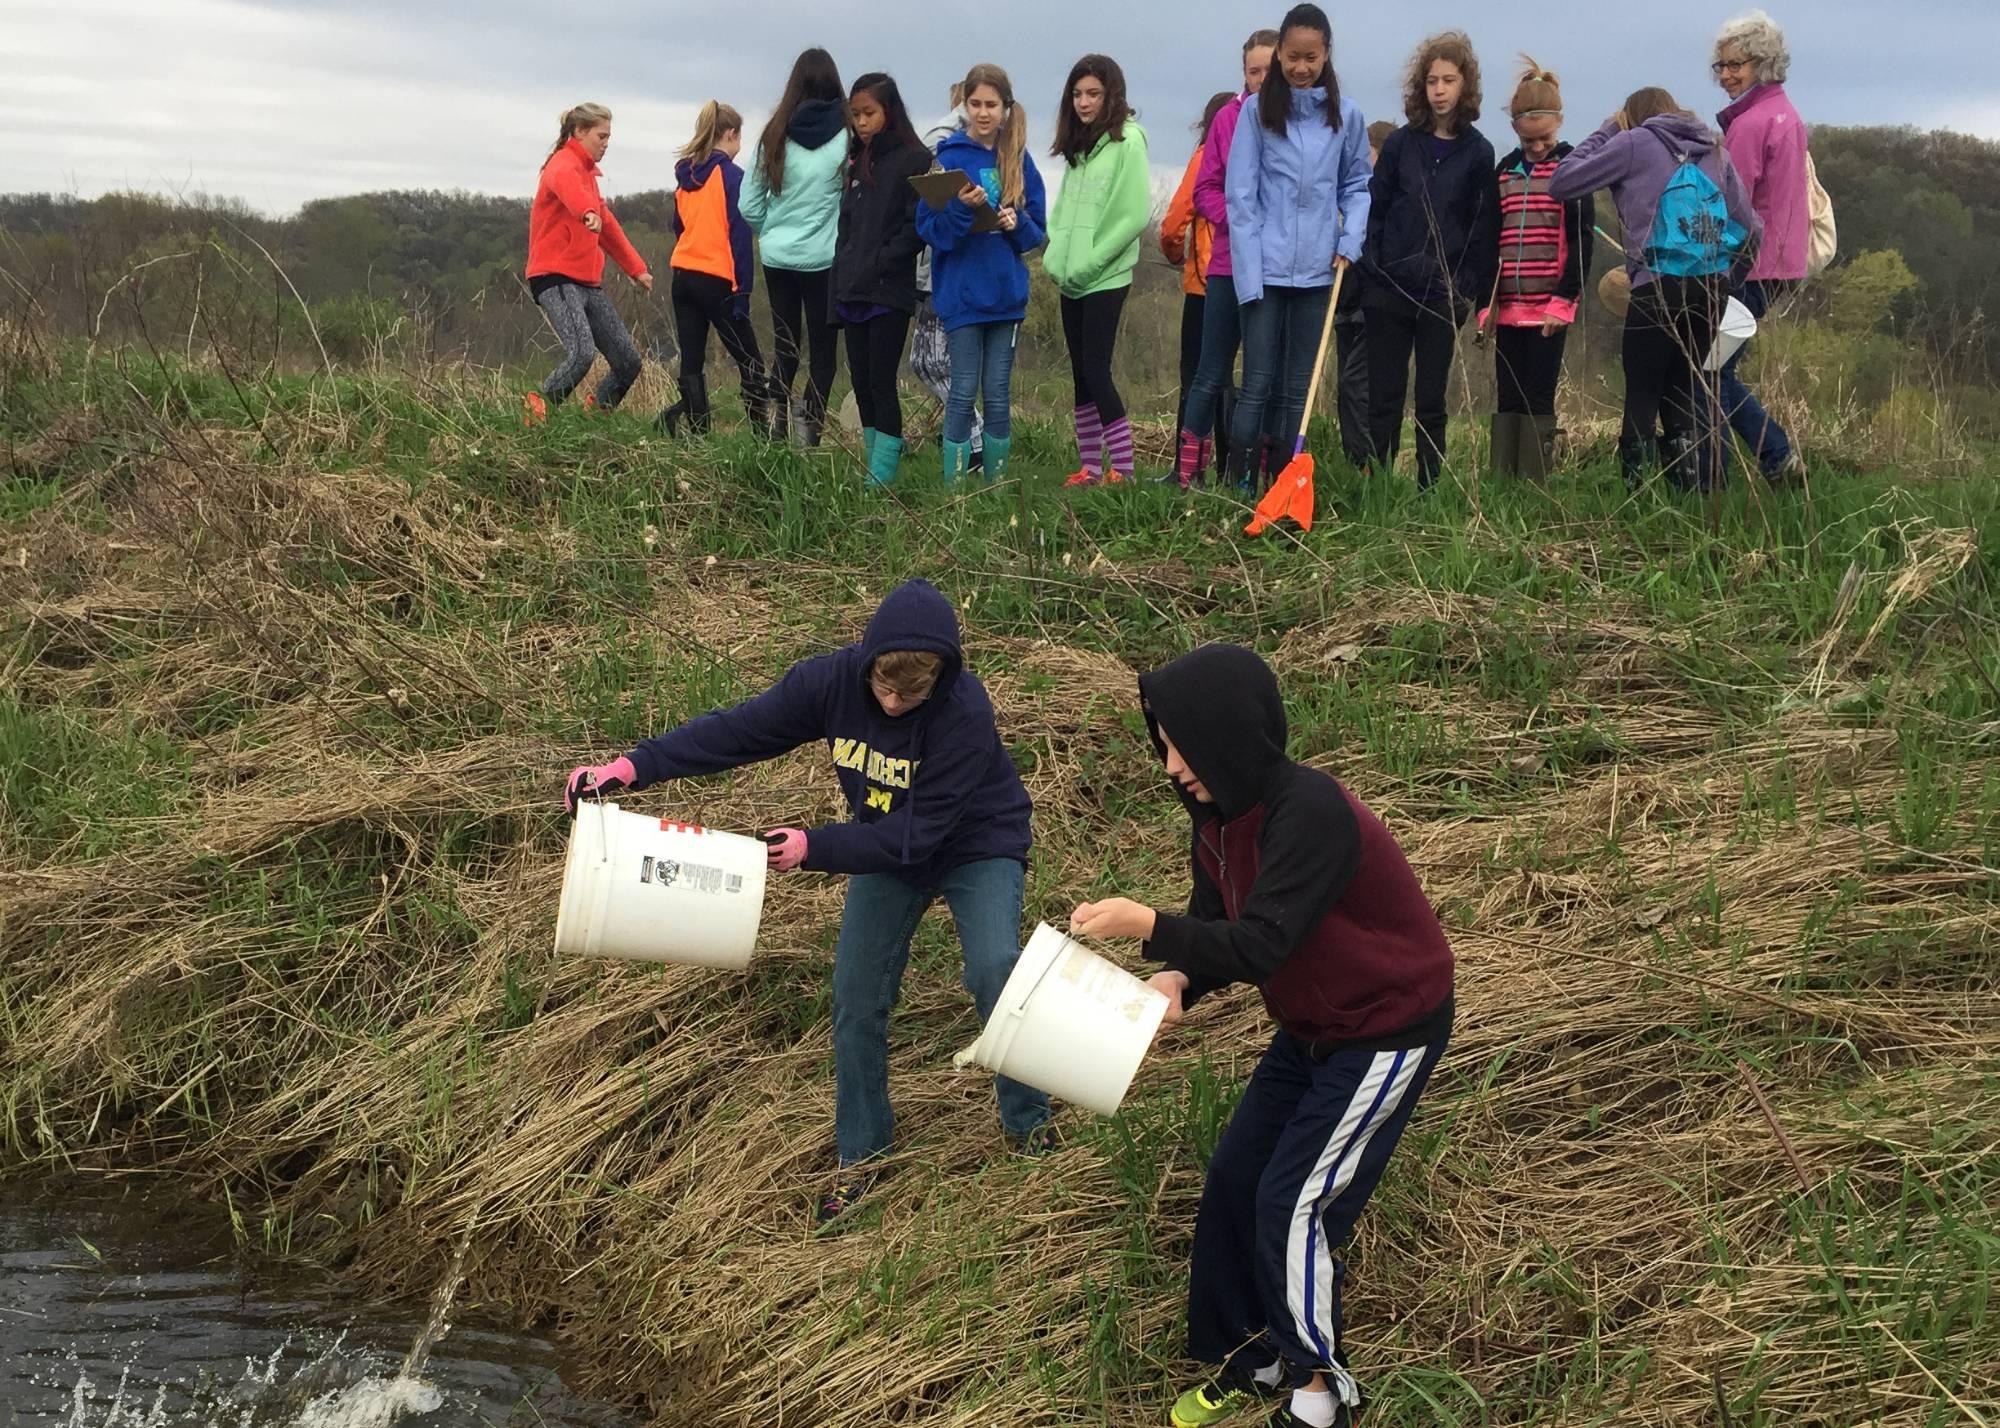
{"x":1094,"y":231}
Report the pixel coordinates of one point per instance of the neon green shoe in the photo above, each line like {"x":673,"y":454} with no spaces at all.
{"x":1210,"y":1403}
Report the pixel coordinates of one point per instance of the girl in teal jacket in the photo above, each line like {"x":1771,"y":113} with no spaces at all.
{"x":1094,"y":231}
{"x":791,"y":200}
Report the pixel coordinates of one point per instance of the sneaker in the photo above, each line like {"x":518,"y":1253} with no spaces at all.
{"x":589,"y":403}
{"x":1115,"y":478}
{"x":845,"y":1192}
{"x":1208,"y":1404}
{"x":1791,"y":473}
{"x":1042,"y":1140}
{"x":1083,"y":478}
{"x":534,"y":410}
{"x":977,"y":460}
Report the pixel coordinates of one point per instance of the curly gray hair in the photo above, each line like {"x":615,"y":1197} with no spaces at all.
{"x":1761,"y":41}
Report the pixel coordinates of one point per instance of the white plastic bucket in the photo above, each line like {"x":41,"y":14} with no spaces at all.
{"x":1737,"y":327}
{"x":1070,"y":1023}
{"x":653,"y":890}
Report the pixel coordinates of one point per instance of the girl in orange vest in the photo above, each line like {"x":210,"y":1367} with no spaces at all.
{"x":713,"y":271}
{"x":1188,"y":239}
{"x":570,"y":229}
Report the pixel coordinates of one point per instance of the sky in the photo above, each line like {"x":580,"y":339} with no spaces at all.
{"x":276,"y":102}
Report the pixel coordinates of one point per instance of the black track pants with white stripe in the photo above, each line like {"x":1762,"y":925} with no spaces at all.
{"x":1301,"y":1156}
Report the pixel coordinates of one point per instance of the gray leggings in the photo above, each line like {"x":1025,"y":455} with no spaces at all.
{"x":586,"y":323}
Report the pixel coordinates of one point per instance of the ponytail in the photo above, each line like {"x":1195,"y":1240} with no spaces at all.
{"x":574,"y":121}
{"x":1010,"y":145}
{"x":715,"y":120}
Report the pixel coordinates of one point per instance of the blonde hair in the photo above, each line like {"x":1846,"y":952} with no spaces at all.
{"x":1539,"y":91}
{"x":1010,"y":145}
{"x":715,"y":120}
{"x":575,"y":120}
{"x":907,"y":671}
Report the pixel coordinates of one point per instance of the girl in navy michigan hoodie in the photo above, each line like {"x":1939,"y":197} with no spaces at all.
{"x":939,"y":811}
{"x":1301,"y":891}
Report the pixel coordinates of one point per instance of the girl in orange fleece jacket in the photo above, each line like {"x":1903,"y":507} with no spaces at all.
{"x":570,"y":229}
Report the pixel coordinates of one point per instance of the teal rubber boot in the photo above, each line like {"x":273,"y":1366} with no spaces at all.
{"x":957,"y":460}
{"x":868,"y":435}
{"x":997,"y":448}
{"x":883,"y":460}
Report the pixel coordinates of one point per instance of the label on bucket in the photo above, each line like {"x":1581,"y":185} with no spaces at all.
{"x":1106,"y":983}
{"x":693,"y":877}
{"x":667,"y":825}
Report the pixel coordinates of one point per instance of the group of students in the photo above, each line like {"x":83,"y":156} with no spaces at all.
{"x":1297,"y":889}
{"x":1290,"y":198}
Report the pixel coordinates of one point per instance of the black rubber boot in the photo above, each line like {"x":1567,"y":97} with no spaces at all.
{"x":1505,"y":459}
{"x":1538,"y":447}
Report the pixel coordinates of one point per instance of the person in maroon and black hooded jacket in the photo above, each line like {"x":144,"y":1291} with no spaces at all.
{"x":1301,"y":891}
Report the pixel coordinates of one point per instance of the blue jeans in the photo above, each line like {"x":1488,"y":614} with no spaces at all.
{"x":982,"y":364}
{"x":1221,"y":335}
{"x":880,"y":916}
{"x":1280,"y":343}
{"x":1747,"y":417}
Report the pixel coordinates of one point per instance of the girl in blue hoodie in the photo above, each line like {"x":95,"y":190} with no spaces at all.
{"x":979,"y":283}
{"x":791,"y":200}
{"x":939,"y":812}
{"x":1297,"y":185}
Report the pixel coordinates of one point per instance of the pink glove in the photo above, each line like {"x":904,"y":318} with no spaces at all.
{"x":597,"y":780}
{"x":785,"y":849}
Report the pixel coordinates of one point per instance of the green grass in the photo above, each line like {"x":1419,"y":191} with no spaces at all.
{"x":275,"y":774}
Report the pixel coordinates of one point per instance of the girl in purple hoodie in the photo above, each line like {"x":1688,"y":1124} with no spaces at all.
{"x":1637,"y":154}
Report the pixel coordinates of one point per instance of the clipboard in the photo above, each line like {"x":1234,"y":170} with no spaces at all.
{"x":939,"y":188}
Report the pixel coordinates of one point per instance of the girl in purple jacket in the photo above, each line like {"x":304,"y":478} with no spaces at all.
{"x":1637,"y":154}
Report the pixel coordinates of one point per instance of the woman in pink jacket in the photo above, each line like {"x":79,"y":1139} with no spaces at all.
{"x":1767,"y":145}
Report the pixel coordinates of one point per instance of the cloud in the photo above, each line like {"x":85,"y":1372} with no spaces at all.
{"x":279,"y":101}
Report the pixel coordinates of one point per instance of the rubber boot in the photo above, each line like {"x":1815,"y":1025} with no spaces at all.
{"x":883,"y":459}
{"x":781,"y":412}
{"x":1505,"y":459}
{"x":1679,"y":463}
{"x":996,"y":451}
{"x":700,"y":414}
{"x":1635,"y":462}
{"x":1187,"y":461}
{"x":868,"y":435}
{"x":957,"y":458}
{"x":1538,"y":446}
{"x":1225,"y":426}
{"x":808,"y":426}
{"x":757,"y":404}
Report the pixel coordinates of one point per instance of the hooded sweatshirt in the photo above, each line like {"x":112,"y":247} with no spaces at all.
{"x":1545,"y":246}
{"x":710,"y":234}
{"x":1302,"y":194}
{"x":1434,"y":218}
{"x":1298,"y":888}
{"x":1100,"y":212}
{"x":875,"y":257}
{"x":559,"y":246}
{"x":1186,"y":238}
{"x":796,"y":226}
{"x":979,"y":277}
{"x":931,"y":790}
{"x":1767,"y":144}
{"x":1636,"y":165}
{"x":1211,"y":193}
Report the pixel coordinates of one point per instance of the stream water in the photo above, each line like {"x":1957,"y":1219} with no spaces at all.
{"x":116,"y":1316}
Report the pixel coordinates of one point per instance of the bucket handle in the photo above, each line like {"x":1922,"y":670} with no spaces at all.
{"x":1020,"y":1008}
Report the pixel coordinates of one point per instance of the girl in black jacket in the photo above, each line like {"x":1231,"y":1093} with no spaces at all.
{"x":875,"y":261}
{"x":1433,"y":243}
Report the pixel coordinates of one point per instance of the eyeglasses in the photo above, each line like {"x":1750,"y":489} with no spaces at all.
{"x":887,"y":691}
{"x":1722,"y":67}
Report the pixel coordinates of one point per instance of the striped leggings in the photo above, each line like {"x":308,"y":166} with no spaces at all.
{"x":1301,"y":1156}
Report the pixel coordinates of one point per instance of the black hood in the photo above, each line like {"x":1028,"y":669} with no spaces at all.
{"x":1220,"y":705}
{"x":815,"y":122}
